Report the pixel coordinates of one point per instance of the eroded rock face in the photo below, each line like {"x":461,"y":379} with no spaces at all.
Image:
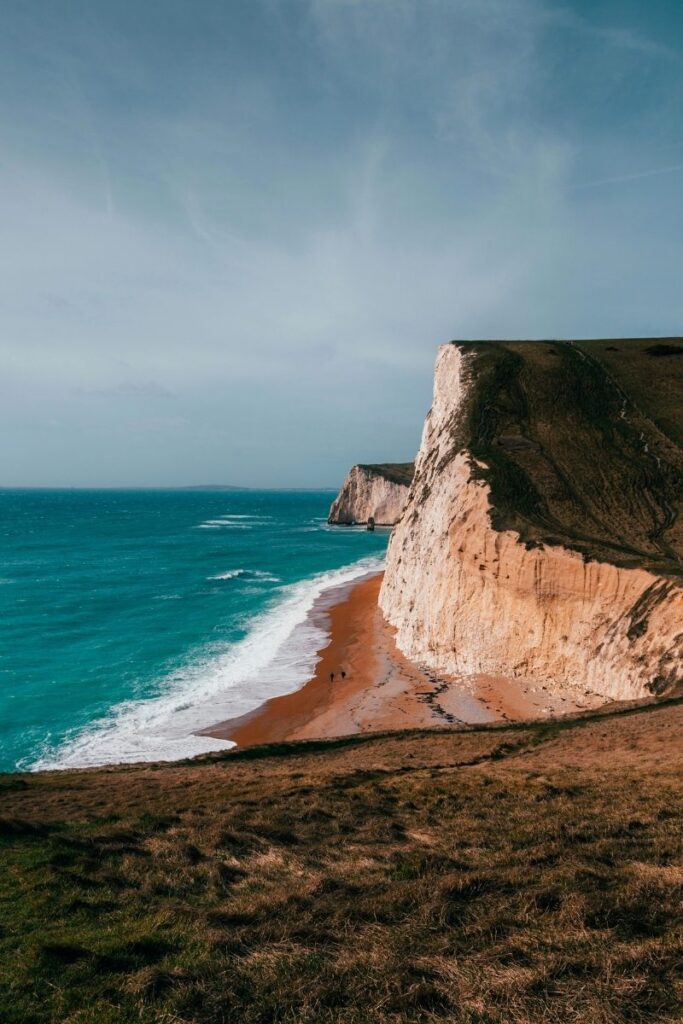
{"x":373,"y":492}
{"x":467,"y":598}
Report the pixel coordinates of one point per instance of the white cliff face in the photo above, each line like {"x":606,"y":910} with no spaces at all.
{"x":468,"y":599}
{"x":366,"y":493}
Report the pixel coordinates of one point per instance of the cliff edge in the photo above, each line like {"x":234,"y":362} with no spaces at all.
{"x":542,"y":537}
{"x":373,"y":491}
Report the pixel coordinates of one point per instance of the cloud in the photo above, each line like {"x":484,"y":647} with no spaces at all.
{"x":272,"y":214}
{"x":618,"y":36}
{"x":636,"y":176}
{"x":127,"y":389}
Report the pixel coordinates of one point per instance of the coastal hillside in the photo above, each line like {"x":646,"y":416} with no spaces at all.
{"x":542,"y":537}
{"x":378,"y":492}
{"x":523,"y":875}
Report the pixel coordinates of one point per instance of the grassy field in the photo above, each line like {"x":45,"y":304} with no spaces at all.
{"x":492,"y":876}
{"x":583,"y":444}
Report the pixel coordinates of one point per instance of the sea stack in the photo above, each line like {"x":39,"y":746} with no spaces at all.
{"x":374,"y":494}
{"x":542,"y":538}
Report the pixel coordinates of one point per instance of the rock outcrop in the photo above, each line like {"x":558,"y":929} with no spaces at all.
{"x":542,"y":536}
{"x":376,"y":492}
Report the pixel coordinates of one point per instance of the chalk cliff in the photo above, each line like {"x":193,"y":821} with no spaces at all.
{"x":377,"y":491}
{"x":542,"y":537}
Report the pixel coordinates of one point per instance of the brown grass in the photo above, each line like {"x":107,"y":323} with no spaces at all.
{"x":497,"y":876}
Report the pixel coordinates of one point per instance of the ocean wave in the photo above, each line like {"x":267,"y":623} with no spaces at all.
{"x":277,"y":655}
{"x":243,"y":515}
{"x":218,"y":524}
{"x":325,"y":527}
{"x":232,"y":574}
{"x":234,"y":521}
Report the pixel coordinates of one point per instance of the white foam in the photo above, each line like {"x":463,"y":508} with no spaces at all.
{"x":218,"y":524}
{"x":234,"y":521}
{"x":232,"y":574}
{"x":277,"y":656}
{"x":235,"y":515}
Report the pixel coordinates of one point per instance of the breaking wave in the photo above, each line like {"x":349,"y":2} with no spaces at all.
{"x":276,"y":656}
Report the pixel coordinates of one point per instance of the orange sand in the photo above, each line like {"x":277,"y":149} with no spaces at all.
{"x":382,"y":689}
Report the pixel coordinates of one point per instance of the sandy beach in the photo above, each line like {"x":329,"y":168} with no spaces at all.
{"x":381,"y":689}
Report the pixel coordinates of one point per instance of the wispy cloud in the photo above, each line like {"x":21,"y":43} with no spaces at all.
{"x":614,"y":35}
{"x":127,"y":389}
{"x":272,"y":213}
{"x":636,"y":176}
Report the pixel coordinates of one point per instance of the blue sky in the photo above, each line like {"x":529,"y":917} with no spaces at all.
{"x":233,"y":233}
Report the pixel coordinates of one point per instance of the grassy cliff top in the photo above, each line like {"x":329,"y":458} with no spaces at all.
{"x":583,"y":444}
{"x":505,"y":875}
{"x":396,"y":472}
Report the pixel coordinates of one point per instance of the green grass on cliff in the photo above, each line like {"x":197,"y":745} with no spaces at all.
{"x":582,"y":443}
{"x":396,"y":472}
{"x":527,"y":875}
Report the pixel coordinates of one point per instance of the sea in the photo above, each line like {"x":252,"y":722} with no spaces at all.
{"x":130,"y":619}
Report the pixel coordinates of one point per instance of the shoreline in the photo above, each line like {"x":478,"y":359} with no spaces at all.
{"x":382,"y":690}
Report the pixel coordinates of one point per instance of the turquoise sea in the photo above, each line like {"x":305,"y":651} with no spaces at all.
{"x":129,"y":619}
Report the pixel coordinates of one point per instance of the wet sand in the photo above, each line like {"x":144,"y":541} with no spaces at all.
{"x":381,"y":690}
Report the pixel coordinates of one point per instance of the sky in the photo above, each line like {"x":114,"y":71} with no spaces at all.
{"x":234,"y":232}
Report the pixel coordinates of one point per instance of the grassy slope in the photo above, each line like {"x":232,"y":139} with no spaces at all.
{"x":396,"y":472}
{"x":584,"y":444}
{"x":514,"y":875}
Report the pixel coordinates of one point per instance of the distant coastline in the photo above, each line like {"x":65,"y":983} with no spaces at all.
{"x":200,"y":488}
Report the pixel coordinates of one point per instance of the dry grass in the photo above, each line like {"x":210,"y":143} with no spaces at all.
{"x":502,"y":875}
